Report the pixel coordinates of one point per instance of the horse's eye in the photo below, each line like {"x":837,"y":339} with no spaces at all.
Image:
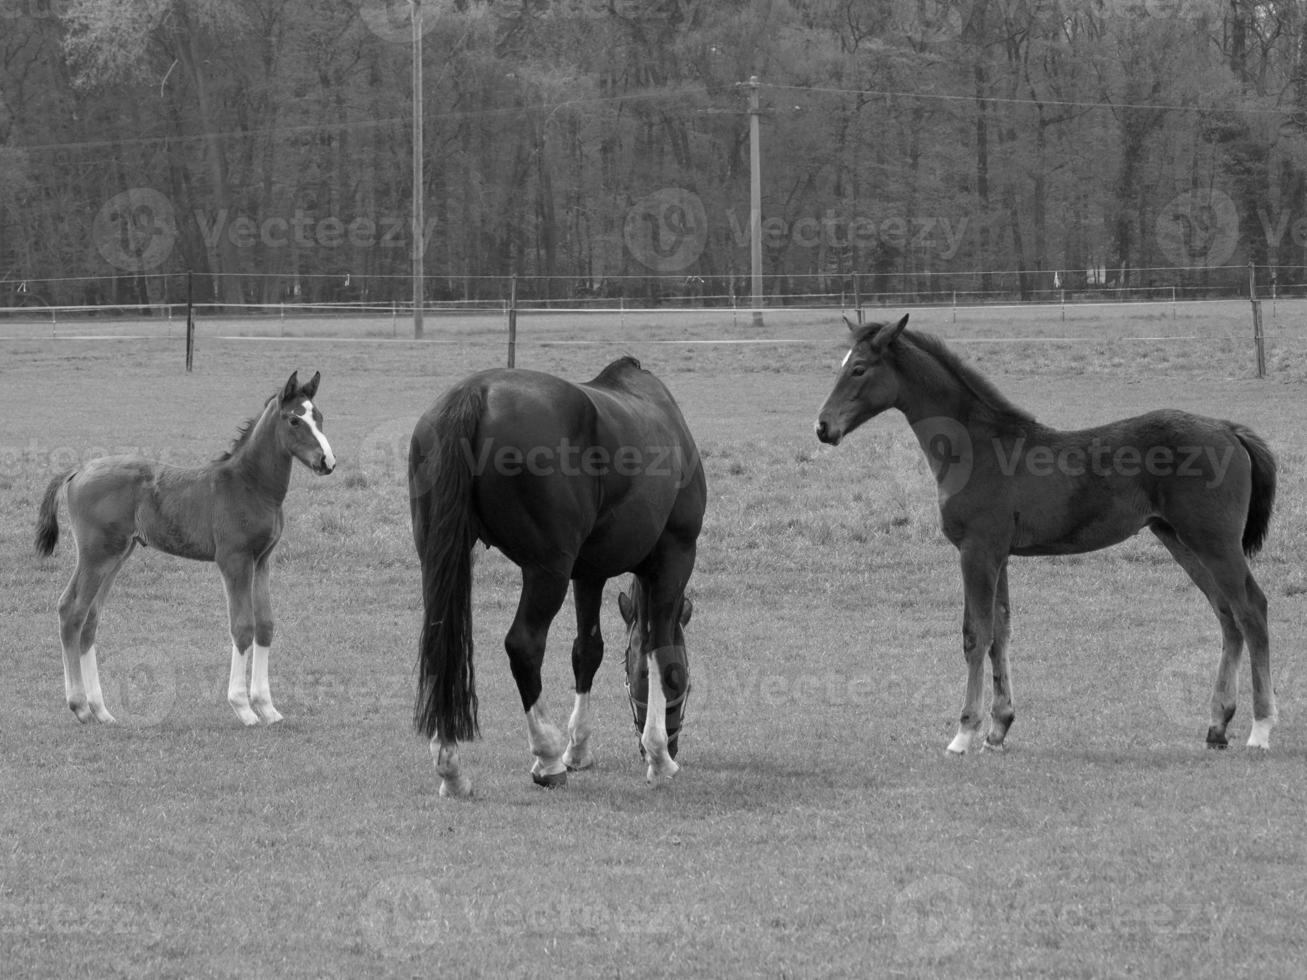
{"x":859,"y":370}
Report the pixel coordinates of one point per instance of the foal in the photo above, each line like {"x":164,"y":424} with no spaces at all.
{"x":228,"y":511}
{"x":1010,"y":486}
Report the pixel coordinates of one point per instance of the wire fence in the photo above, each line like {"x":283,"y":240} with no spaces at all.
{"x":145,"y":295}
{"x":1240,"y":319}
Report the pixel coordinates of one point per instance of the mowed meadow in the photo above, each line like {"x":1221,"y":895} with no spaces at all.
{"x":817,"y":827}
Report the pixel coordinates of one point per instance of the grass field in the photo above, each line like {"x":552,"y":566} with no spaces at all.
{"x":817,"y":827}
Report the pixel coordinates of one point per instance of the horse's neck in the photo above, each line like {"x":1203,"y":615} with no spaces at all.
{"x":259,"y":461}
{"x":950,"y":421}
{"x":933,"y":393}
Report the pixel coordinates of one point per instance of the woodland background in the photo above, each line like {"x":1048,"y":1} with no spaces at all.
{"x":999,"y":147}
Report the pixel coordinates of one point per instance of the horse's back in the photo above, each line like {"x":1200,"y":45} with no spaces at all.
{"x":131,"y":497}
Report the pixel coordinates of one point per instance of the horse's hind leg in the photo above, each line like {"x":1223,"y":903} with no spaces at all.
{"x":90,"y":667}
{"x":1247,"y":604}
{"x":1226,"y":689}
{"x":74,"y":605}
{"x":78,"y":621}
{"x":1241,"y":609}
{"x":543,"y":592}
{"x":587,"y":654}
{"x":1003,"y":713}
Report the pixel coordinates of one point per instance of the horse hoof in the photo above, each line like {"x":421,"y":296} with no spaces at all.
{"x":550,"y":780}
{"x":660,"y":777}
{"x":104,"y":718}
{"x":961,"y":743}
{"x":81,"y":712}
{"x":988,"y":746}
{"x":577,"y":761}
{"x":246,"y":715}
{"x":270,"y":716}
{"x":1216,"y":740}
{"x":459,"y":788}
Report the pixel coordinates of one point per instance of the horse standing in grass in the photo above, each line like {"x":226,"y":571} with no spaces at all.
{"x":571,"y":482}
{"x":1010,"y":486}
{"x":228,"y":512}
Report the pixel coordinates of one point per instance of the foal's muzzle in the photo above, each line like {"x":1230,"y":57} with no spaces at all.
{"x":324,"y":465}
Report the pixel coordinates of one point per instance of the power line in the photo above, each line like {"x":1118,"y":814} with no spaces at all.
{"x":356,"y":125}
{"x":1010,"y":100}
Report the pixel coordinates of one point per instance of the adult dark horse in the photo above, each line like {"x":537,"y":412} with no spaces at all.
{"x":1010,"y":486}
{"x":228,"y":512}
{"x":572,"y":482}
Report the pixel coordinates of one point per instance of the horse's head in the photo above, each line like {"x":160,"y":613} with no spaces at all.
{"x":673,"y":661}
{"x":301,"y":425}
{"x":866,"y":385}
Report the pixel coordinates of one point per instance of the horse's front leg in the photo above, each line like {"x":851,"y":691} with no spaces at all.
{"x":260,"y":690}
{"x":587,"y":654}
{"x":980,"y":573}
{"x":669,"y":676}
{"x":1002,"y":714}
{"x":238,"y":579}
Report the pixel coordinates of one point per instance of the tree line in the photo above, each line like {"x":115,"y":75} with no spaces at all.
{"x":601,"y":147}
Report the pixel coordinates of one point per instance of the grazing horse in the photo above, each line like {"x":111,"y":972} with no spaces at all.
{"x":1010,"y":486}
{"x":571,"y":482}
{"x":228,"y":512}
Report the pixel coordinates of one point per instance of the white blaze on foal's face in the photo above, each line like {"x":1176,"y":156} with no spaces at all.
{"x":308,"y":415}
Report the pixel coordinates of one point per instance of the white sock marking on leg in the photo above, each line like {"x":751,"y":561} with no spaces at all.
{"x":91,"y":679}
{"x":961,"y":743}
{"x":260,"y":692}
{"x":238,"y":692}
{"x":654,"y":739}
{"x":1260,"y":736}
{"x":546,"y":741}
{"x":578,"y":754}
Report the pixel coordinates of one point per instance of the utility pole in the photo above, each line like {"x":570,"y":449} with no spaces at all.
{"x":755,"y":201}
{"x":419,"y":241}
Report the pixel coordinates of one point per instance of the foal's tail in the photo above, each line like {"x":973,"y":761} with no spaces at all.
{"x":47,"y":521}
{"x":440,"y":491}
{"x":1263,"y":490}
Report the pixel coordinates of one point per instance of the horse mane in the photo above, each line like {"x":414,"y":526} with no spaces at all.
{"x":914,"y":347}
{"x":243,"y":432}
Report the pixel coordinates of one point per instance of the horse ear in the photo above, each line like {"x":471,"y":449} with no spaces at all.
{"x":626,"y":607}
{"x":687,"y":608}
{"x":853,"y":327}
{"x":887,"y":335}
{"x":292,"y":386}
{"x":311,"y":389}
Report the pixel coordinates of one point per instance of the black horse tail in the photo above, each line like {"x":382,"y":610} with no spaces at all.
{"x":47,"y":521}
{"x":1263,"y":490}
{"x":440,"y":488}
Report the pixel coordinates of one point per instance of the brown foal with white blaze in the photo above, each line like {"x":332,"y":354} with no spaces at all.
{"x":1011,"y":486}
{"x":228,"y":511}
